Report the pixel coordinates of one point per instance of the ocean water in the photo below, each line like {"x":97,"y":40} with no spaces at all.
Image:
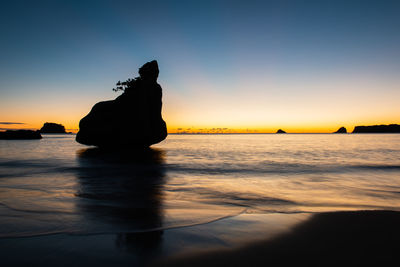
{"x":56,"y":185}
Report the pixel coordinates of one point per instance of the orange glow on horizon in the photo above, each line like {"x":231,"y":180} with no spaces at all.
{"x":173,"y":129}
{"x":204,"y":117}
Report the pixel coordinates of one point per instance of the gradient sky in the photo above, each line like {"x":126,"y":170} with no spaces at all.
{"x":303,"y":66}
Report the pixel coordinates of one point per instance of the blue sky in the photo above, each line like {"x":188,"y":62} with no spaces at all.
{"x":235,"y":64}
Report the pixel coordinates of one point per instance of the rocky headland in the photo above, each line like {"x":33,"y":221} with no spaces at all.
{"x":391,"y":128}
{"x":131,"y":120}
{"x":280,"y":131}
{"x":20,"y":135}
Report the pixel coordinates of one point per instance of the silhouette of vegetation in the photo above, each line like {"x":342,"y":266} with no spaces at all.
{"x":122,"y":86}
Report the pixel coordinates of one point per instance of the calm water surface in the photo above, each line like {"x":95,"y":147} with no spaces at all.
{"x":56,"y":185}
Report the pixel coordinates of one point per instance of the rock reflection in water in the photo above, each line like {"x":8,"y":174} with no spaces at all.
{"x":122,"y":191}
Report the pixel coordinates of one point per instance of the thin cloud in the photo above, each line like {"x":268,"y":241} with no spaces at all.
{"x":5,"y":129}
{"x":11,"y":123}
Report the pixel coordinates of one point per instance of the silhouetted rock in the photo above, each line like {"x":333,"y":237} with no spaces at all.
{"x":280,"y":131}
{"x":20,"y":134}
{"x":50,"y":127}
{"x":392,"y":128}
{"x":341,"y":130}
{"x":133,"y":119}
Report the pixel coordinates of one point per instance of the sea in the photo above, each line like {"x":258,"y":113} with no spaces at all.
{"x":58,"y":186}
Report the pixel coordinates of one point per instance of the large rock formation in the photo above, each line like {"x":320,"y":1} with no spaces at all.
{"x":20,"y":134}
{"x":392,"y":128}
{"x":131,"y":120}
{"x":280,"y":131}
{"x":50,"y":127}
{"x":341,"y":130}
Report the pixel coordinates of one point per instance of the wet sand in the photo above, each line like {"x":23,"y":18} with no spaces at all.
{"x":143,"y":248}
{"x":351,"y":238}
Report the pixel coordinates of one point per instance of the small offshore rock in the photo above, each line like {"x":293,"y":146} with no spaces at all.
{"x":50,"y":127}
{"x":341,"y":130}
{"x":131,"y":120}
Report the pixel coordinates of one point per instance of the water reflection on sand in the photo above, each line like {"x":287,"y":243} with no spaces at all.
{"x":123,"y":189}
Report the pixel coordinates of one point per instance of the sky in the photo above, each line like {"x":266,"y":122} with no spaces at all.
{"x":225,"y":66}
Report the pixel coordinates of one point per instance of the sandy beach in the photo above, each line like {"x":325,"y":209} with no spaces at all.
{"x":351,"y":238}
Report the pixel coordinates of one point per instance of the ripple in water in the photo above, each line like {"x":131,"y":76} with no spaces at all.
{"x":55,"y":185}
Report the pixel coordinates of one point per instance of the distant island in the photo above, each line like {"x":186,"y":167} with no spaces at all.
{"x":20,"y":135}
{"x":280,"y":131}
{"x":341,"y":130}
{"x":50,"y":127}
{"x":391,"y":128}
